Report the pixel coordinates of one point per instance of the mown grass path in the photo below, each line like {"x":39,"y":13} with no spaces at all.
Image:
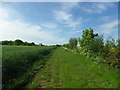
{"x":65,"y":69}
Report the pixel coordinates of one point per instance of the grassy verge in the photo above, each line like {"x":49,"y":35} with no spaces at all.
{"x":66,"y":69}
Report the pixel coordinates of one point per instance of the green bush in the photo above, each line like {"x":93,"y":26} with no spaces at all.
{"x":93,"y":45}
{"x":110,"y":52}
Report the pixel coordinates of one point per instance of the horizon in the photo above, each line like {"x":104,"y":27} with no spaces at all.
{"x":54,"y":23}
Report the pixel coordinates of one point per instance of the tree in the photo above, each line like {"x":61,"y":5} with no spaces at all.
{"x":96,"y":45}
{"x":26,"y":43}
{"x":73,"y":43}
{"x":32,"y":44}
{"x":40,"y":44}
{"x":57,"y":45}
{"x":7,"y":42}
{"x":87,"y":36}
{"x":18,"y":42}
{"x":66,"y":45}
{"x":87,"y":39}
{"x":0,"y":42}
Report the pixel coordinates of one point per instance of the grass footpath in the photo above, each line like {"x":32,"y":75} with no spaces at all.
{"x":65,"y":69}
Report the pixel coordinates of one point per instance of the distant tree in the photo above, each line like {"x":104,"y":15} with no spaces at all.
{"x":26,"y":43}
{"x":11,"y":43}
{"x":18,"y":42}
{"x":66,"y":45}
{"x":0,"y":42}
{"x":32,"y":44}
{"x":73,"y":43}
{"x":7,"y":42}
{"x":40,"y":44}
{"x":57,"y":45}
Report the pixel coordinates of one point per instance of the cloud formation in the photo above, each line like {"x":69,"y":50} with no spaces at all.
{"x":64,"y":15}
{"x":12,"y":29}
{"x":97,"y":8}
{"x":107,"y":28}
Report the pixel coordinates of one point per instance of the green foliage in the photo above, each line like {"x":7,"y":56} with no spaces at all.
{"x":16,"y":60}
{"x":57,"y":45}
{"x":118,"y":56}
{"x":18,"y":42}
{"x":87,"y":40}
{"x":29,"y":44}
{"x":110,"y":52}
{"x":73,"y":43}
{"x":94,"y":45}
{"x":7,"y":42}
{"x":87,"y":37}
{"x":66,"y":45}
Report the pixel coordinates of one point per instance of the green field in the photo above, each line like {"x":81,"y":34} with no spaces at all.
{"x":65,"y":69}
{"x":19,"y":63}
{"x":43,"y":67}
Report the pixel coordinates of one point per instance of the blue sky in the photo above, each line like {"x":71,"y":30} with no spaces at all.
{"x":56,"y":22}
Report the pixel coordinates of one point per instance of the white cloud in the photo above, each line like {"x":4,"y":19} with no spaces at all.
{"x":101,"y":7}
{"x":3,"y":14}
{"x":96,"y":7}
{"x":67,"y":6}
{"x":78,"y":31}
{"x":75,"y":31}
{"x":105,"y":18}
{"x":62,"y":16}
{"x":49,"y":25}
{"x":108,"y":27}
{"x":65,"y":16}
{"x":67,"y":19}
{"x":12,"y":29}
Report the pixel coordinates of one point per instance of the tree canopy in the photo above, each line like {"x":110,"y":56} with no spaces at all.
{"x":73,"y":43}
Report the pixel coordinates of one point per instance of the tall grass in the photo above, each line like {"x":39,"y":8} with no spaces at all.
{"x":16,"y":60}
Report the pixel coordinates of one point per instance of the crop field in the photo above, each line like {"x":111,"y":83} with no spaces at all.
{"x":17,"y":59}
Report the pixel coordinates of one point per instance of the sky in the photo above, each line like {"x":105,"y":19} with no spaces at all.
{"x":56,"y":22}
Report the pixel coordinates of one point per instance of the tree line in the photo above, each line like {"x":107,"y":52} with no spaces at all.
{"x":17,"y":42}
{"x":93,"y":45}
{"x":20,"y":42}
